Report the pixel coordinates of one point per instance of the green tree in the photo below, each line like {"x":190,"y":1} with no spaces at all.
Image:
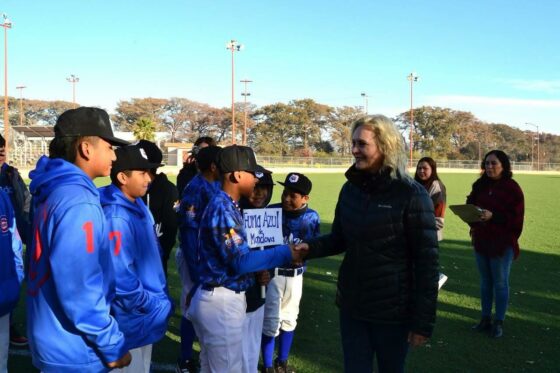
{"x":144,"y":129}
{"x":340,"y":127}
{"x":129,"y":112}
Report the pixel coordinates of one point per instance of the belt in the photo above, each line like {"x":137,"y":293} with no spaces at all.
{"x":288,"y":272}
{"x":209,"y":287}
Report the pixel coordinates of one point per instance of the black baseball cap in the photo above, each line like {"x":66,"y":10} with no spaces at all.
{"x":298,"y":182}
{"x":206,"y":156}
{"x":86,"y":121}
{"x":237,"y":158}
{"x":152,"y":151}
{"x":132,"y":157}
{"x":264,"y":176}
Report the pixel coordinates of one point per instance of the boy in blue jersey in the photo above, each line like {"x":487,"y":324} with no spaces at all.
{"x":226,"y":264}
{"x":195,"y":197}
{"x":11,"y":273}
{"x":252,"y":328}
{"x":283,"y":295}
{"x":70,"y":281}
{"x":141,"y":306}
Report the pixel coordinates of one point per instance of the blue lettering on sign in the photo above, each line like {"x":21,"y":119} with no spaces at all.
{"x":272,"y":221}
{"x":261,"y":239}
{"x":252,"y":221}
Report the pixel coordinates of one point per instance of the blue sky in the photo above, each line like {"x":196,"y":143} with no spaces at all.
{"x":499,"y":59}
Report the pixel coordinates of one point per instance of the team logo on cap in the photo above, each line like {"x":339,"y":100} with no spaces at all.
{"x":143,"y":153}
{"x":259,"y":174}
{"x":293,"y":178}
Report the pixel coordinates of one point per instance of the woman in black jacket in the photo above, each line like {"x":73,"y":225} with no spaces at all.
{"x":384,"y":223}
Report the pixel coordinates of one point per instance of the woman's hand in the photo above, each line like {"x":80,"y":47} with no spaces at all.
{"x":485,"y":215}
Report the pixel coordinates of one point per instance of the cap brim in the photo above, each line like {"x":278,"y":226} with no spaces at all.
{"x":292,"y":188}
{"x":116,"y":141}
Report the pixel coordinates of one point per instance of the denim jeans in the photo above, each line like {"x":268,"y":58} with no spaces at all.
{"x":362,"y":341}
{"x":494,"y":283}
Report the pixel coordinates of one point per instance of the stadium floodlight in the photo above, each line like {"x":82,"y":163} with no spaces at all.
{"x":245,"y":94}
{"x":412,"y":78}
{"x":233,"y":46}
{"x":73,"y":79}
{"x":365,"y":96}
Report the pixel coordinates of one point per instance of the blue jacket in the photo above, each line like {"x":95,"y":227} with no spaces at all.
{"x":195,"y":197}
{"x":70,"y":275}
{"x":225,"y":257}
{"x":142,"y":306}
{"x":11,"y":263}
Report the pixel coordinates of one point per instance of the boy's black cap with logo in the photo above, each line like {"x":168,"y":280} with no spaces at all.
{"x":264,"y":176}
{"x":153,"y":152}
{"x":237,"y":158}
{"x":132,"y":157}
{"x":86,"y":121}
{"x":298,"y":182}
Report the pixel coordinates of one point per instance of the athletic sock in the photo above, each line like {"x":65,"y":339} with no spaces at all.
{"x":187,"y":339}
{"x":284,"y":344}
{"x":267,"y":350}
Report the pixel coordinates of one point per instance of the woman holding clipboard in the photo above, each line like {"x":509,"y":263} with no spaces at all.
{"x":495,"y":236}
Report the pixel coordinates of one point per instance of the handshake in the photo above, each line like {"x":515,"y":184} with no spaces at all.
{"x":299,"y":253}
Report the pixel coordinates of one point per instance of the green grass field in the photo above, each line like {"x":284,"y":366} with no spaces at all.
{"x":532,"y":327}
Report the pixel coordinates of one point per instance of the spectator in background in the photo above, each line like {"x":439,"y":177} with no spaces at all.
{"x":426,"y":174}
{"x":13,"y":185}
{"x":161,"y":199}
{"x":189,"y":169}
{"x":495,"y":236}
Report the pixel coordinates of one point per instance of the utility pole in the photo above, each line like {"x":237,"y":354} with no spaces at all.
{"x":6,"y":24}
{"x":21,"y":88}
{"x":245,"y":94}
{"x":538,"y":145}
{"x":73,"y":79}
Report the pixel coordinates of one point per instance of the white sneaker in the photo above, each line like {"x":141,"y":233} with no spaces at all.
{"x":442,"y":280}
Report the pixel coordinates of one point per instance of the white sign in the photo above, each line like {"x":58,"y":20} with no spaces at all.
{"x":263,"y":227}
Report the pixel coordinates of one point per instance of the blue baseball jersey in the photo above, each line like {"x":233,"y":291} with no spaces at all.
{"x":225,"y":257}
{"x":299,"y":225}
{"x":195,"y":198}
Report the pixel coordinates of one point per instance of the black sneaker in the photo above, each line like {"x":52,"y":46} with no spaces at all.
{"x":186,"y":366}
{"x":282,"y":367}
{"x":485,"y":325}
{"x":267,"y":370}
{"x":497,"y":329}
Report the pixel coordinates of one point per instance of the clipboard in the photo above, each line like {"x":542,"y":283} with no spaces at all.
{"x":468,"y":213}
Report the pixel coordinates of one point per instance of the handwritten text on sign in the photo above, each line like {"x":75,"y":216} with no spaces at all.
{"x":263,"y":227}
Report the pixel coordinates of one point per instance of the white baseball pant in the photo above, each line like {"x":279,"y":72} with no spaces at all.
{"x":218,"y":316}
{"x":281,"y":309}
{"x":252,"y":334}
{"x":141,"y":361}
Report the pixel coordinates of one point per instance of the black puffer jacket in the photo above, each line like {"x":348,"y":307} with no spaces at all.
{"x":387,"y":229}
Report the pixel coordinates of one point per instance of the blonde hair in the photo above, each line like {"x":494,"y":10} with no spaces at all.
{"x":389,"y":141}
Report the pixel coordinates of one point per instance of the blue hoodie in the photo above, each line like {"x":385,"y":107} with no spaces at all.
{"x":70,"y":275}
{"x":142,"y":306}
{"x":11,"y":263}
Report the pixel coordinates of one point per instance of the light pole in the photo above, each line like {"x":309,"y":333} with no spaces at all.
{"x":234,"y":46}
{"x":538,"y":145}
{"x":365,"y":96}
{"x":245,"y":94}
{"x":6,"y":24}
{"x":21,"y":88}
{"x":412,"y":78}
{"x":73,"y":79}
